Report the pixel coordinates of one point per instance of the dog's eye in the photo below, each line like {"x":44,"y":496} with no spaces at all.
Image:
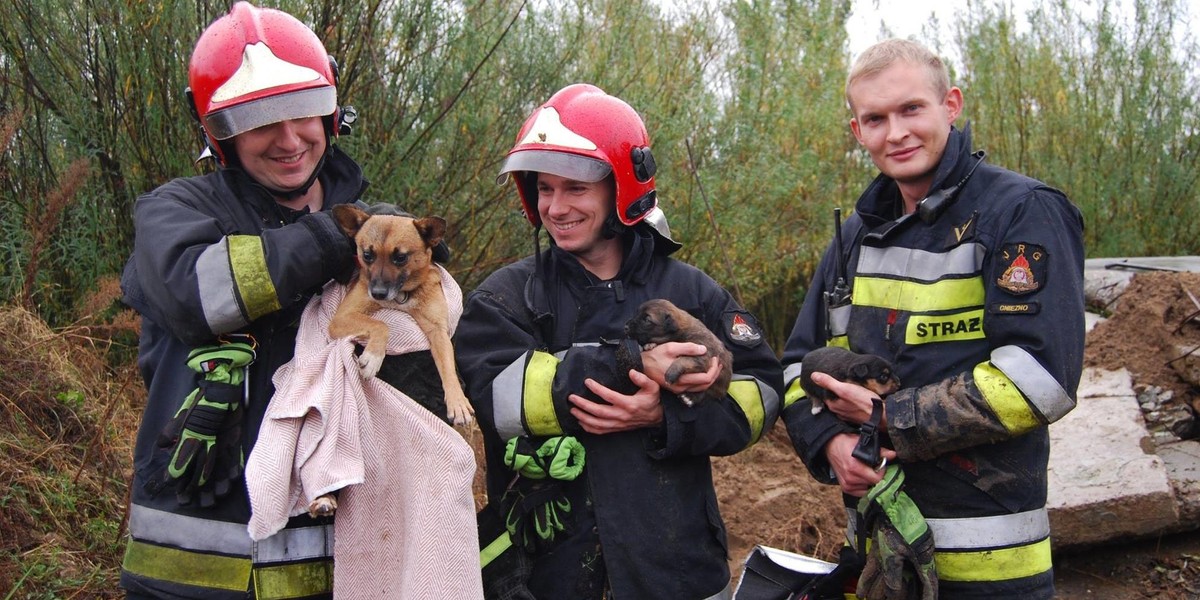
{"x":399,"y":259}
{"x":368,"y":256}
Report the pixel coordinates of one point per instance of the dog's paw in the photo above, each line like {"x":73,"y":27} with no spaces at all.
{"x":369,"y":364}
{"x":323,"y":506}
{"x":459,"y":411}
{"x":817,"y":405}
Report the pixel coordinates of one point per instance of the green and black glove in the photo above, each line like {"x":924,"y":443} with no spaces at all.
{"x":535,"y":508}
{"x":899,"y":551}
{"x":205,"y":435}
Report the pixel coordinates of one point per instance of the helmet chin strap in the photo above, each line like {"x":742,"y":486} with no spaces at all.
{"x":304,"y":187}
{"x":612,"y":226}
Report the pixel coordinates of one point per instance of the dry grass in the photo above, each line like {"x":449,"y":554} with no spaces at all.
{"x":67,"y":423}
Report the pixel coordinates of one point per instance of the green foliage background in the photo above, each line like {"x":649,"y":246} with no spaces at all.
{"x":743,"y":100}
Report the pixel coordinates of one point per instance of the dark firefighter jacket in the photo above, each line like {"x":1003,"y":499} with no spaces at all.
{"x":216,"y":254}
{"x":528,"y":340}
{"x":981,"y":312}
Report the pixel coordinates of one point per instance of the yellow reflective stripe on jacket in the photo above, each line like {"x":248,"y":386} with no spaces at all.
{"x":521,"y":400}
{"x":793,"y":392}
{"x":539,"y":402}
{"x":1044,"y":392}
{"x":748,"y":394}
{"x":297,"y":580}
{"x":254,"y":285}
{"x":190,"y":568}
{"x":1005,"y":399}
{"x":994,"y":565}
{"x":912,"y":296}
{"x":957,"y":327}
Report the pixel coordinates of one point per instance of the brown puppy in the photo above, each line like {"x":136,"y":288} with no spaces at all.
{"x":660,"y":321}
{"x":867,"y":370}
{"x":395,"y":270}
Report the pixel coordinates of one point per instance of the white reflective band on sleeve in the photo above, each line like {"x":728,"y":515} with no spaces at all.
{"x":300,"y":543}
{"x":791,"y":373}
{"x":230,"y":539}
{"x":920,"y":265}
{"x":1042,"y":389}
{"x":770,"y":400}
{"x":508,"y":399}
{"x":189,"y":533}
{"x":1000,"y":531}
{"x":217,"y":293}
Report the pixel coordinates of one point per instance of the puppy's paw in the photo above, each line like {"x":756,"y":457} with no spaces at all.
{"x":324,"y":506}
{"x":818,"y":405}
{"x":369,"y":364}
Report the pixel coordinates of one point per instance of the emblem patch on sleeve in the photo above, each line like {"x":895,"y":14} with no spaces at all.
{"x":1021,"y":268}
{"x":742,"y":329}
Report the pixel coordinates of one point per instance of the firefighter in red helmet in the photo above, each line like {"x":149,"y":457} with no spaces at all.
{"x":555,"y":381}
{"x":222,"y":267}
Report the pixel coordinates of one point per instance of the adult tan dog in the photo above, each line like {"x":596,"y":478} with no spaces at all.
{"x":395,"y":270}
{"x":867,"y":370}
{"x":660,"y":321}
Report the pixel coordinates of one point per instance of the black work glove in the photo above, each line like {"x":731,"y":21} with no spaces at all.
{"x":205,"y":434}
{"x":535,"y":513}
{"x":505,"y":568}
{"x":899,"y":559}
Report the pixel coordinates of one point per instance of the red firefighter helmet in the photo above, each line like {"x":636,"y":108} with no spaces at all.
{"x":585,"y":134}
{"x":258,"y":66}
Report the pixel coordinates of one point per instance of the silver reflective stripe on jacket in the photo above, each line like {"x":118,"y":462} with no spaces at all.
{"x":218,"y":295}
{"x":921,"y":265}
{"x":1034,"y":381}
{"x":203,"y":535}
{"x":1000,"y":531}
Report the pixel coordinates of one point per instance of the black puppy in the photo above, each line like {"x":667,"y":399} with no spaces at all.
{"x":660,"y":321}
{"x":867,"y":370}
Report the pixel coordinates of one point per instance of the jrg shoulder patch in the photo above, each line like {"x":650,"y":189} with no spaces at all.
{"x":742,"y":328}
{"x":1021,"y":268}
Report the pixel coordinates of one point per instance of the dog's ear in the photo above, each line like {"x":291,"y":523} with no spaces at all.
{"x":350,"y":218}
{"x":432,"y":229}
{"x":860,"y":371}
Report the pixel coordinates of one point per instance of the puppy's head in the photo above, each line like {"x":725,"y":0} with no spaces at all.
{"x":391,"y":248}
{"x":654,"y":323}
{"x":875,"y":374}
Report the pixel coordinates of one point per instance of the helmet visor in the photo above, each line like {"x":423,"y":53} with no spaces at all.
{"x":563,"y":164}
{"x":313,"y":102}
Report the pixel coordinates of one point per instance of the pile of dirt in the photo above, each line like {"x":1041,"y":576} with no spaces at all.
{"x":1154,"y":327}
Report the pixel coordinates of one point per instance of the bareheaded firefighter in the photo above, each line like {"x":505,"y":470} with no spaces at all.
{"x":968,"y":279}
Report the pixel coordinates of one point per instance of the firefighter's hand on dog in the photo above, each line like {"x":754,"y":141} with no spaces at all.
{"x":854,"y":476}
{"x":658,"y":359}
{"x":623,"y":412}
{"x":851,"y":402}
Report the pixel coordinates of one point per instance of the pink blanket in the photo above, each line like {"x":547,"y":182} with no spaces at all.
{"x":405,"y":523}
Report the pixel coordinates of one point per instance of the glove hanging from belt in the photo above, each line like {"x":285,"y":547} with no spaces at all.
{"x":535,"y":507}
{"x":898,"y":544}
{"x":205,"y":436}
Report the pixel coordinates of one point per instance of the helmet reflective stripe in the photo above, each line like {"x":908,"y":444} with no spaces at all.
{"x":260,"y":70}
{"x":548,"y":129}
{"x":314,"y":102}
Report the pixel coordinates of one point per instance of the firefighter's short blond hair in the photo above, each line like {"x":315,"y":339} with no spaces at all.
{"x":884,"y":54}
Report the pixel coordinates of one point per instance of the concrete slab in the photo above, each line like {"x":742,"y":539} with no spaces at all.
{"x":1182,"y":460}
{"x":1105,"y":483}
